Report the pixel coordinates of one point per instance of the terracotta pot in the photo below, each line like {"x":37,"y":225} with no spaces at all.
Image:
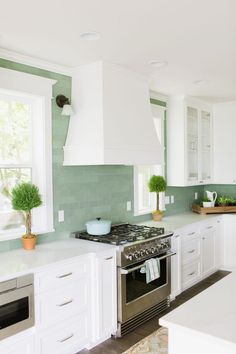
{"x":29,"y":242}
{"x":157,"y":215}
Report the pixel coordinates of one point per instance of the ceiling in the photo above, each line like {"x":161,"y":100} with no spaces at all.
{"x":196,"y":37}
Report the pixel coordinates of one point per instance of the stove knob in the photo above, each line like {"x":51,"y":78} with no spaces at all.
{"x":152,"y":249}
{"x":142,"y":253}
{"x":136,"y":254}
{"x":147,"y":251}
{"x":129,"y":257}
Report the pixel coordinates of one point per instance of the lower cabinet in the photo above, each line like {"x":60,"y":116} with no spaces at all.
{"x":191,"y":274}
{"x":76,"y":304}
{"x":199,"y":253}
{"x":104,"y":305}
{"x":208,"y":251}
{"x":69,"y":337}
{"x":229,"y":225}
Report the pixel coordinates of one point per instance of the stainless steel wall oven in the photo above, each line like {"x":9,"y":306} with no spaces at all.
{"x":16,"y":305}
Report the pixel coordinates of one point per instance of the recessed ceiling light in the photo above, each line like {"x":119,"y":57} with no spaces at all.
{"x":200,"y":82}
{"x":90,"y":36}
{"x":157,"y":63}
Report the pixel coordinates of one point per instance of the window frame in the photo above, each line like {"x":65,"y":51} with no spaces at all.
{"x":137,"y":212}
{"x":39,"y":90}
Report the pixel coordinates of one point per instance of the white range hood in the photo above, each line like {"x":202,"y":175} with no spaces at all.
{"x":113,"y":123}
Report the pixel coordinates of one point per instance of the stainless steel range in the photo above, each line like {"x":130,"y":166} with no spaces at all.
{"x":138,"y":301}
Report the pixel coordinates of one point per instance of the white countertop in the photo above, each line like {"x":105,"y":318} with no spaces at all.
{"x":178,"y":221}
{"x":18,"y":262}
{"x":211,"y":313}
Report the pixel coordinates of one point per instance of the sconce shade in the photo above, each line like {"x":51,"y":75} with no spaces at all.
{"x":64,"y":103}
{"x":67,"y":110}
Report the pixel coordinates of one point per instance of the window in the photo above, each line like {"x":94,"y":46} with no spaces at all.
{"x":25,"y":148}
{"x":144,"y":201}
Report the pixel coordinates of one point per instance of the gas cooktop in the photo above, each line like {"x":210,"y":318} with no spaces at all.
{"x":124,"y":233}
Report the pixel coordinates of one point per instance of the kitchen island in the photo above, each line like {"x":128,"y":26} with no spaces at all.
{"x":205,"y":324}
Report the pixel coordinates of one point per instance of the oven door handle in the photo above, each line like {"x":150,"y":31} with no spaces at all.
{"x":130,"y":270}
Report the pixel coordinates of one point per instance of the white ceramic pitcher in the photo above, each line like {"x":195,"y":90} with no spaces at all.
{"x":212,"y":197}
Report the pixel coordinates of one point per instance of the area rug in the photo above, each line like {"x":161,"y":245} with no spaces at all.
{"x":155,"y":343}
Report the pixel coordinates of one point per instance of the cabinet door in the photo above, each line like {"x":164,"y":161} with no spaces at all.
{"x":107,"y":295}
{"x":224,"y":125}
{"x":205,"y":157}
{"x":229,"y":241}
{"x":192,"y":144}
{"x":208,"y":251}
{"x":176,"y":265}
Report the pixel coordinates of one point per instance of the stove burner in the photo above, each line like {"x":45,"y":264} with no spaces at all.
{"x":124,"y":233}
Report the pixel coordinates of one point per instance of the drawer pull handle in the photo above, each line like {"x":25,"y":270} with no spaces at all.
{"x":191,"y":273}
{"x":64,"y":275}
{"x":65,"y":303}
{"x":209,"y":227}
{"x":65,"y":339}
{"x":204,"y":238}
{"x":191,"y":233}
{"x":177,"y":236}
{"x":191,"y":251}
{"x":107,"y":259}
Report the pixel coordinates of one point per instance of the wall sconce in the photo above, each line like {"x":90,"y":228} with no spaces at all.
{"x":64,"y":103}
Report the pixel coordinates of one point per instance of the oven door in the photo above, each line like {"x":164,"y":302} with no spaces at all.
{"x":16,"y":311}
{"x":135,"y":295}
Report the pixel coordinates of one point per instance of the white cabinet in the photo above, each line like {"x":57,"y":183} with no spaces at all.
{"x":62,"y":307}
{"x":189,"y":150}
{"x":208,"y":238}
{"x":229,"y":241}
{"x":199,"y":252}
{"x":68,"y":337}
{"x":176,"y":264}
{"x":104,"y":309}
{"x":224,"y":126}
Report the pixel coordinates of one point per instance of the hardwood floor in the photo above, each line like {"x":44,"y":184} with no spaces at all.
{"x":118,"y":346}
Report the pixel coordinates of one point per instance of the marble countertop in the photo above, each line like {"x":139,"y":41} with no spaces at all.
{"x":178,"y":221}
{"x":18,"y":262}
{"x":211,"y":313}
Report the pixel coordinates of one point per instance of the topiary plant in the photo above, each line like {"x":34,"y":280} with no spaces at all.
{"x":25,"y":197}
{"x":157,"y":184}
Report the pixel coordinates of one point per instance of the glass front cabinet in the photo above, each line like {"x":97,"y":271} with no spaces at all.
{"x":189,"y":142}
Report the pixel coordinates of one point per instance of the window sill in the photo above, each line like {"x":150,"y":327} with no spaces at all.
{"x":8,"y":235}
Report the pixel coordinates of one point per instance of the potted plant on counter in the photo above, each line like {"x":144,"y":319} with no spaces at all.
{"x":157,"y":184}
{"x":206,"y":202}
{"x":25,"y":197}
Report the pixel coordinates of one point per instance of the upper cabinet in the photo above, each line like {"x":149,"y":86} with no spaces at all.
{"x":224,"y":142}
{"x":189,"y":142}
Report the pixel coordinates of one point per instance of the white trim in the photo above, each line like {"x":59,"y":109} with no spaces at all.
{"x":35,"y":62}
{"x":40,"y":90}
{"x":158,"y":96}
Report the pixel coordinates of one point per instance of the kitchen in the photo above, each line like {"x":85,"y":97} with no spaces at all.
{"x":99,"y":159}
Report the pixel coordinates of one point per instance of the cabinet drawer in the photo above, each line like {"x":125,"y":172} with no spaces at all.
{"x":190,"y":250}
{"x":190,"y":274}
{"x":210,"y":226}
{"x":62,"y":275}
{"x":68,"y":338}
{"x":58,"y":305}
{"x":190,"y":233}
